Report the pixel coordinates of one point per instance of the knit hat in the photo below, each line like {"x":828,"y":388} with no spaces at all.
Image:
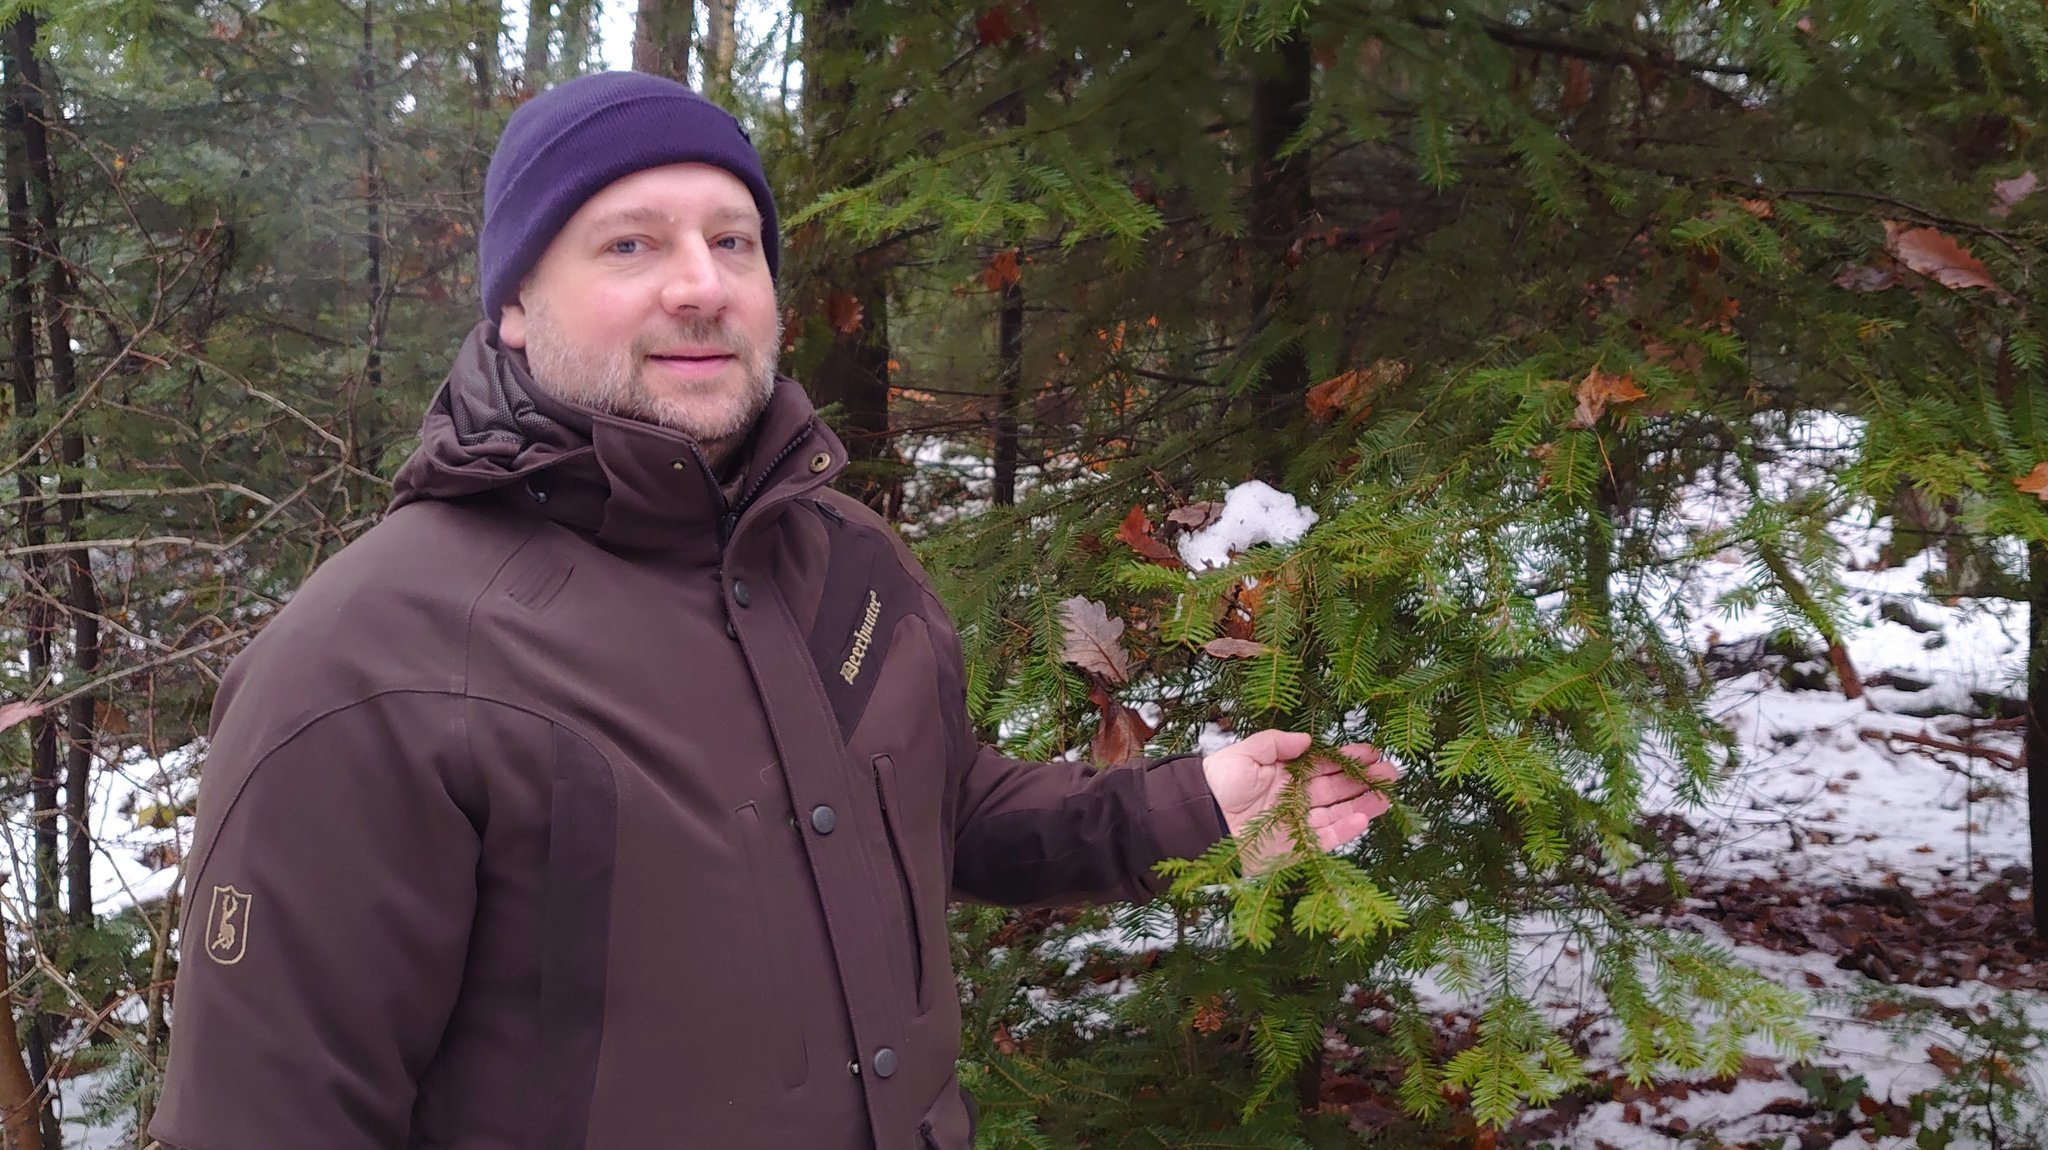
{"x":566,"y":144}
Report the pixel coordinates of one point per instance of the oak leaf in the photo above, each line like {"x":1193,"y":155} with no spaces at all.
{"x":2035,"y":482}
{"x":844,"y":312}
{"x":1228,"y":648}
{"x":1001,"y":271}
{"x":1195,"y":516}
{"x":1945,"y":1060}
{"x":1578,"y":86}
{"x":1093,"y":641}
{"x":1122,"y":733}
{"x":1349,"y":393}
{"x":2008,"y":193}
{"x":1136,"y":533}
{"x":1761,"y":209}
{"x":12,"y":713}
{"x":1599,"y":389}
{"x":1937,"y":257}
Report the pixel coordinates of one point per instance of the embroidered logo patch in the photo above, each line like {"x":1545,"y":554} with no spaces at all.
{"x":850,"y":669}
{"x":227,"y":925}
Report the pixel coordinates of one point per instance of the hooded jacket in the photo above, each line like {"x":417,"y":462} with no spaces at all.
{"x":583,"y":804}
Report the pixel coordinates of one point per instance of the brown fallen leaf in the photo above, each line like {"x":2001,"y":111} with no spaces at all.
{"x":1195,"y":516}
{"x":844,"y":312}
{"x":12,"y":713}
{"x":1578,"y":86}
{"x":1761,"y":209}
{"x":1881,"y":1011}
{"x":1122,"y":733}
{"x":2006,"y":194}
{"x":2035,"y":482}
{"x":1001,"y":271}
{"x":1350,"y":393}
{"x":1094,"y":641}
{"x":1599,"y":389}
{"x":1136,"y":533}
{"x":1945,"y":1060}
{"x":1867,"y":278}
{"x":1937,"y":257}
{"x":1228,"y":648}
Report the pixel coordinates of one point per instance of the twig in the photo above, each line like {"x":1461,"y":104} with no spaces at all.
{"x":2004,"y":760}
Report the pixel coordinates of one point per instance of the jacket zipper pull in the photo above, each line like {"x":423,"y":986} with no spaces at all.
{"x":727,"y":523}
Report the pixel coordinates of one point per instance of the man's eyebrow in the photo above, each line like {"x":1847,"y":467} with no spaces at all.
{"x":643,"y":216}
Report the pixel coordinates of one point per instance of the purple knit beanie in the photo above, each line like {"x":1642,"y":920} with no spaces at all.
{"x":566,"y":144}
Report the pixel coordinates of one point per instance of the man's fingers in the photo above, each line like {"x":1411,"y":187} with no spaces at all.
{"x":1368,"y":807}
{"x":1342,"y":831}
{"x":1334,"y":787}
{"x":1271,"y":746}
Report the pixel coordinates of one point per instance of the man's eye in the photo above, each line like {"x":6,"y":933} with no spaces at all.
{"x":733,"y":243}
{"x":626,"y":247}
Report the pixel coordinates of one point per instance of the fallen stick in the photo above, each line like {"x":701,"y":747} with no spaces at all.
{"x":2004,"y":760}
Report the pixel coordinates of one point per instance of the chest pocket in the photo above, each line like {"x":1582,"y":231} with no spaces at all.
{"x":866,"y":594}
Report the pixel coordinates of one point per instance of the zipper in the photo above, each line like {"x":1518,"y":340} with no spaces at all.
{"x":902,"y":879}
{"x":729,"y":514}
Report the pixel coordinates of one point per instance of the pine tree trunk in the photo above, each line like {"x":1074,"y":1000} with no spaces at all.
{"x":576,"y":17}
{"x":540,"y":25}
{"x":1281,"y":203}
{"x":483,"y":53}
{"x":662,"y":31}
{"x":74,"y":568}
{"x":718,"y":50}
{"x":1009,"y":392}
{"x":2037,"y":730}
{"x":19,"y":1100}
{"x":855,"y":369}
{"x":363,"y":394}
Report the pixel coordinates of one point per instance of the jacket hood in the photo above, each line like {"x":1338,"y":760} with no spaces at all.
{"x":491,"y":431}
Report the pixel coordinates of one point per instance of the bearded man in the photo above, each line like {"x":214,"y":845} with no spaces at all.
{"x":609,"y":793}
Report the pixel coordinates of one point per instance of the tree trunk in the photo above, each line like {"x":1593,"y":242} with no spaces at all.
{"x":576,"y":17}
{"x":362,"y":395}
{"x":1281,"y":203}
{"x":20,"y":1102}
{"x":74,"y":567}
{"x":540,"y":25}
{"x":855,"y":370}
{"x":1009,"y":392}
{"x":483,"y":50}
{"x":662,"y":31}
{"x":2037,"y":729}
{"x":719,"y":50}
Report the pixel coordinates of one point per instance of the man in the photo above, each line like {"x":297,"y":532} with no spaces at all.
{"x":608,"y":795}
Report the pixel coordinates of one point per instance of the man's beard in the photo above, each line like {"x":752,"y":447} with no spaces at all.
{"x":609,"y":380}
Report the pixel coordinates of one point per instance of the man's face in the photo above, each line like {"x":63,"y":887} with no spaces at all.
{"x":654,"y":303}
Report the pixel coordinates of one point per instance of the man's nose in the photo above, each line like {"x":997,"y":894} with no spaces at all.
{"x":692,"y":281}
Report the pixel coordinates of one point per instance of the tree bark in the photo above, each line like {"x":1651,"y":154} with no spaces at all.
{"x":576,"y":17}
{"x":20,"y":1102}
{"x":1009,"y":392}
{"x":540,"y":25}
{"x":719,"y":48}
{"x":1280,"y":202}
{"x":362,"y":395}
{"x":662,"y":30}
{"x":74,"y":568}
{"x":854,"y":372}
{"x":2037,"y":729}
{"x":483,"y":50}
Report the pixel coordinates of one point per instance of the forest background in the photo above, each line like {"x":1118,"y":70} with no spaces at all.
{"x":1492,"y":287}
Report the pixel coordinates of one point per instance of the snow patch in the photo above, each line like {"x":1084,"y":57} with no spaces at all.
{"x":1253,"y":513}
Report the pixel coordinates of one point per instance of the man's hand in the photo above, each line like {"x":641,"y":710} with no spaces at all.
{"x":1247,"y":778}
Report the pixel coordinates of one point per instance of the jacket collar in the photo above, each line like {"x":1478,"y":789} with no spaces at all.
{"x":626,"y":483}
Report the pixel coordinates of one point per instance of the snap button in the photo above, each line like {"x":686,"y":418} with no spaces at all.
{"x":740,"y":594}
{"x":538,"y":493}
{"x":884,"y":1062}
{"x":731,"y":632}
{"x":823,"y":819}
{"x":678,"y":464}
{"x":820,"y":461}
{"x":853,"y":1067}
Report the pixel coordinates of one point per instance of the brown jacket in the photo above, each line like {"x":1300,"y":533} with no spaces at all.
{"x":580,"y":805}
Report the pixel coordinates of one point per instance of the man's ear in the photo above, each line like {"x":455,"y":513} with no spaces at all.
{"x":512,"y":325}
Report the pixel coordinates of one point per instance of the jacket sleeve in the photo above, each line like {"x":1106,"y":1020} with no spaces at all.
{"x":324,"y":931}
{"x":1030,"y":834}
